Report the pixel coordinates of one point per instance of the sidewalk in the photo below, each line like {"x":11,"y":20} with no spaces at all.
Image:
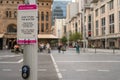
{"x":93,"y":50}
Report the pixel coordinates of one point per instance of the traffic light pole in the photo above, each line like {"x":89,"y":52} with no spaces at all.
{"x":30,"y":54}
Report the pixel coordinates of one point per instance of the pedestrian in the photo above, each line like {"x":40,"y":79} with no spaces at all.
{"x":77,"y":48}
{"x":59,"y":47}
{"x":63,"y":48}
{"x":48,"y":48}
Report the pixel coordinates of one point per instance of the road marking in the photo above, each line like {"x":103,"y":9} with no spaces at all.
{"x":56,"y":67}
{"x":87,"y":61}
{"x":59,"y":75}
{"x":42,"y":69}
{"x":21,"y":60}
{"x":104,"y":70}
{"x":6,"y":70}
{"x":9,"y":56}
{"x":80,"y":70}
{"x":9,"y":62}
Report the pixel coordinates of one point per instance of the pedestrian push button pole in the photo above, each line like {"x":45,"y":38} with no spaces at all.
{"x":25,"y":72}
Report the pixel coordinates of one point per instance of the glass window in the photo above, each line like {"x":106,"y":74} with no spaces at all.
{"x":119,"y":21}
{"x":11,"y":28}
{"x":96,"y":12}
{"x":47,"y":25}
{"x":42,"y":27}
{"x":47,"y":16}
{"x":42,"y":16}
{"x":111,"y":4}
{"x":97,"y":25}
{"x":111,"y":23}
{"x":103,"y":9}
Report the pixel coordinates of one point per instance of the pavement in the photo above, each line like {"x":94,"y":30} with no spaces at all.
{"x":96,"y":50}
{"x":65,"y":66}
{"x":11,"y":64}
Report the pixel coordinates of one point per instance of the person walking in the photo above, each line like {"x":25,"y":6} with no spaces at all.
{"x":59,"y":47}
{"x":48,"y":48}
{"x":77,"y":48}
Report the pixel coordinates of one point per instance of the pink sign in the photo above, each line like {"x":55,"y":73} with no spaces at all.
{"x":26,"y":41}
{"x":27,"y":7}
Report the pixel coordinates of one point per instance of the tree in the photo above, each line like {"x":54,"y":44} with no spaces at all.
{"x":75,"y":37}
{"x":64,"y":39}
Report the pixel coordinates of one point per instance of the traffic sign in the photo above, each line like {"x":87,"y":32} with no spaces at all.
{"x":27,"y":21}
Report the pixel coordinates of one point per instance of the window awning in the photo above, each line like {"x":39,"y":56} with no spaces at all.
{"x":47,"y":36}
{"x":1,"y":35}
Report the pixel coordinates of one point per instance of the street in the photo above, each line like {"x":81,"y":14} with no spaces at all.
{"x":67,"y":66}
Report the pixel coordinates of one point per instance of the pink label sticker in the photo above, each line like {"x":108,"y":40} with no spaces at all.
{"x":26,"y":41}
{"x":27,"y":7}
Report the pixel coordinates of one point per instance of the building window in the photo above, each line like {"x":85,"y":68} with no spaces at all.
{"x":1,"y":2}
{"x":47,"y":25}
{"x":101,"y":0}
{"x":17,"y":2}
{"x":119,"y":21}
{"x":42,"y":3}
{"x":47,"y":16}
{"x":111,"y":23}
{"x":76,"y":27}
{"x":7,"y":14}
{"x":89,"y":18}
{"x":46,"y":3}
{"x":97,"y":30}
{"x":10,"y":14}
{"x":42,"y":16}
{"x":12,"y":2}
{"x":96,"y":12}
{"x":89,"y":26}
{"x":42,"y":27}
{"x":7,"y":2}
{"x":111,"y":4}
{"x":103,"y":25}
{"x":103,"y":9}
{"x":118,"y":2}
{"x":11,"y":28}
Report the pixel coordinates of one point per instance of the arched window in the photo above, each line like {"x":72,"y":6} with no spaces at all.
{"x":10,"y":15}
{"x":42,"y":16}
{"x":7,"y":14}
{"x":47,"y":16}
{"x":11,"y":28}
{"x":47,"y":25}
{"x":42,"y":27}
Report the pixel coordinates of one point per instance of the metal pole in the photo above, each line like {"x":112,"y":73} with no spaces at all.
{"x":30,"y":54}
